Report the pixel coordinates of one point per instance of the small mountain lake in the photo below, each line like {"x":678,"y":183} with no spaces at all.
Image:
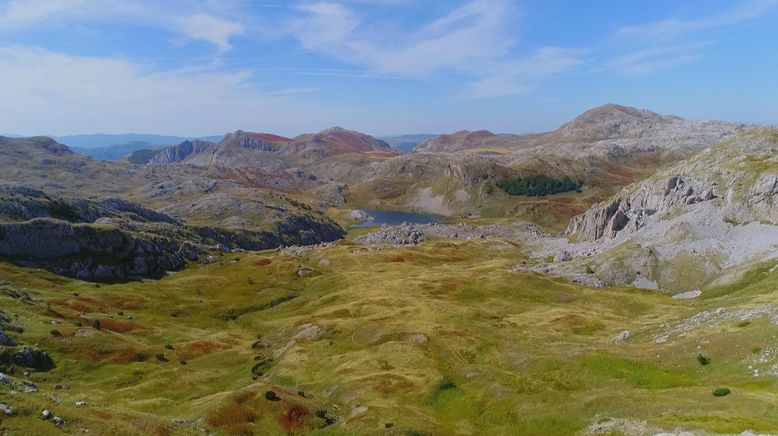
{"x":394,"y":217}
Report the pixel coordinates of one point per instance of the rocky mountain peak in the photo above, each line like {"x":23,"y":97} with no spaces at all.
{"x":612,"y":121}
{"x":345,"y":141}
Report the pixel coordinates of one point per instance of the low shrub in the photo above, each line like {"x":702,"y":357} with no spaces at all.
{"x":721,"y":392}
{"x":703,"y":359}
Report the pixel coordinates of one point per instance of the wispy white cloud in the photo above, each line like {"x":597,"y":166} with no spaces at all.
{"x":673,"y":27}
{"x":194,"y":20}
{"x":662,"y":45}
{"x":215,"y":30}
{"x":521,"y":75}
{"x":56,"y":93}
{"x":657,"y":59}
{"x":473,"y":40}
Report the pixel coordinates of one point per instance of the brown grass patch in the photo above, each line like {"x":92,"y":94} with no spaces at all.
{"x":119,"y":326}
{"x":200,"y":348}
{"x":129,"y":355}
{"x":263,"y":262}
{"x":392,"y":384}
{"x":234,"y":418}
{"x":105,"y":416}
{"x":294,"y":417}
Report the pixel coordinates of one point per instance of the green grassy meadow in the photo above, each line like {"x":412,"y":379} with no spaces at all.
{"x":434,"y":339}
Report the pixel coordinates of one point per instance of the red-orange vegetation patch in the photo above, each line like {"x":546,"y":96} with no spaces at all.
{"x":126,"y":302}
{"x":80,"y":304}
{"x":119,"y":326}
{"x":129,"y":355}
{"x":263,"y":262}
{"x":162,"y":430}
{"x":234,"y":418}
{"x":294,"y":417}
{"x":200,"y":348}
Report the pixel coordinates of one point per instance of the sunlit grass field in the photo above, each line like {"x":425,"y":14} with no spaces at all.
{"x":434,"y":339}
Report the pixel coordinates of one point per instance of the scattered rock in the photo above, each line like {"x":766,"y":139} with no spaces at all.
{"x":80,"y":403}
{"x":29,"y":387}
{"x":622,"y":337}
{"x":46,"y":414}
{"x":565,"y":256}
{"x":6,"y":409}
{"x":6,"y":379}
{"x":688,"y":295}
{"x":309,"y":332}
{"x":358,"y":411}
{"x":58,"y":421}
{"x":303,"y":272}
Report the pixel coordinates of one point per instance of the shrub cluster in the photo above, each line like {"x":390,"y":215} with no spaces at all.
{"x":538,"y":186}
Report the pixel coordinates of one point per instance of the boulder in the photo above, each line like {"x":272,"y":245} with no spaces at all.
{"x":622,"y":337}
{"x":6,"y":341}
{"x":359,"y":215}
{"x":6,"y":409}
{"x":30,"y":358}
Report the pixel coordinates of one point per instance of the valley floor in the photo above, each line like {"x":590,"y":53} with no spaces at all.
{"x":436,"y":339}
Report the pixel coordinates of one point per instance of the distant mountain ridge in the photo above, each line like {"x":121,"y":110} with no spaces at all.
{"x":104,"y":140}
{"x":406,"y":143}
{"x":116,"y":152}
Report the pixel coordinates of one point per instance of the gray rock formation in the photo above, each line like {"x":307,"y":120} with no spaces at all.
{"x":359,"y":215}
{"x":28,"y":358}
{"x":6,"y":341}
{"x":180,"y":152}
{"x":405,"y":234}
{"x":629,"y":212}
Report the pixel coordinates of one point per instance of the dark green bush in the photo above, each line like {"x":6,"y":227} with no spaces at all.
{"x":538,"y":186}
{"x":55,"y":333}
{"x":271,"y":396}
{"x":721,"y":392}
{"x":703,"y":360}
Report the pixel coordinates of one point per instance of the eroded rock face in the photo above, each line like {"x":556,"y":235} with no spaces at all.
{"x":180,"y":152}
{"x":88,"y":251}
{"x":628,"y":212}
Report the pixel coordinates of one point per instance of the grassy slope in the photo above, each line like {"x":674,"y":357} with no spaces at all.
{"x":503,"y":351}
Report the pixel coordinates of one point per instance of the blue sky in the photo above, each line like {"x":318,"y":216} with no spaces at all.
{"x":189,"y":67}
